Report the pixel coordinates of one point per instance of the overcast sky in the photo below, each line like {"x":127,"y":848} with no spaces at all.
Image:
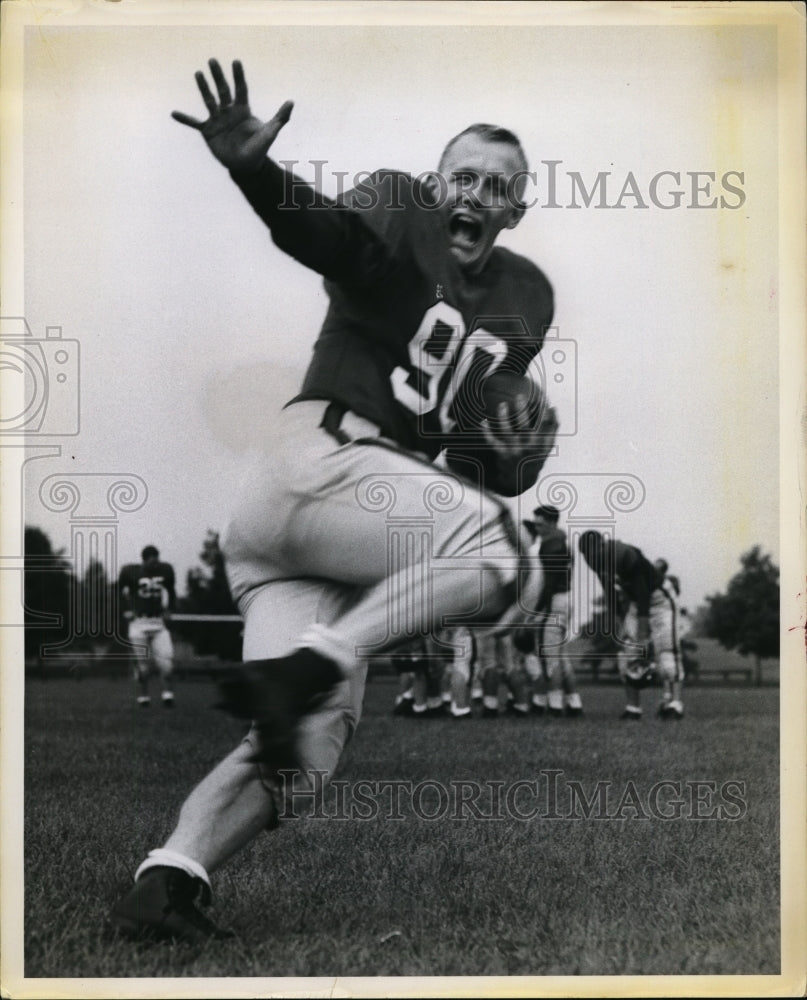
{"x":194,"y":328}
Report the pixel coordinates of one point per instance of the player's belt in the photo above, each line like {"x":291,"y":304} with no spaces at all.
{"x":347,"y":426}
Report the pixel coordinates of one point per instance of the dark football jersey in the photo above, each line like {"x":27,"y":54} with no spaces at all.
{"x":556,"y":561}
{"x":636,"y":575}
{"x":150,"y":589}
{"x":405,"y":327}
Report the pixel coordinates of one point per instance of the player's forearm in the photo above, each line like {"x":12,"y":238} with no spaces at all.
{"x":303,"y":222}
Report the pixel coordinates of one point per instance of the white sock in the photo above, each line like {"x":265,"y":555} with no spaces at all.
{"x":556,"y":700}
{"x":539,"y":700}
{"x":633,"y":709}
{"x":161,"y":857}
{"x":323,"y":640}
{"x":458,"y":712}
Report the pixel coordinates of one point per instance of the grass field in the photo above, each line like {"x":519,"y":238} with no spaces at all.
{"x":446,"y":888}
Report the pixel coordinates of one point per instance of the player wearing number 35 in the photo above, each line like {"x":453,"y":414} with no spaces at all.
{"x":421,"y":303}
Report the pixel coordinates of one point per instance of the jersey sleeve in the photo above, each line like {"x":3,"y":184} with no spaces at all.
{"x":169,"y":583}
{"x":331,"y":237}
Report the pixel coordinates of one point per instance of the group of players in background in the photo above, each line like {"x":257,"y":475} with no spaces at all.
{"x":528,"y":670}
{"x":525,"y":670}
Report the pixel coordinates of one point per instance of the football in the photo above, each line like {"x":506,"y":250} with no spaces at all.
{"x":521,"y":396}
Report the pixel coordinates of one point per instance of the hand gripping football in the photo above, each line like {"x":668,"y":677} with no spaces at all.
{"x":521,"y":397}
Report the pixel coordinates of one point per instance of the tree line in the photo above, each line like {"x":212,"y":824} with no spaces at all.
{"x":63,"y":609}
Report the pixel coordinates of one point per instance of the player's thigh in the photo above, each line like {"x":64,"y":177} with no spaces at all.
{"x":662,"y":628}
{"x":346,"y":535}
{"x":162,"y":651}
{"x":139,"y":646}
{"x":324,"y":509}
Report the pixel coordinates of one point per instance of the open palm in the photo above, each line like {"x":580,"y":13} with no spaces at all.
{"x":235,"y":136}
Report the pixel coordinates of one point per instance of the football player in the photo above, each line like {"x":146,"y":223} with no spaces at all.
{"x":664,"y":626}
{"x":628,"y":580}
{"x":460,"y":670}
{"x":149,"y":595}
{"x":502,"y":668}
{"x":557,"y":677}
{"x":420,"y":669}
{"x":405,"y":661}
{"x":420,"y":298}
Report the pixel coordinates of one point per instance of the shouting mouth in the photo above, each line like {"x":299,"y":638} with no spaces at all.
{"x":465,"y":231}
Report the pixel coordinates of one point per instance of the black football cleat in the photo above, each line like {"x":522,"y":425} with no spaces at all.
{"x":275,"y":695}
{"x":631,"y":716}
{"x":160,"y":907}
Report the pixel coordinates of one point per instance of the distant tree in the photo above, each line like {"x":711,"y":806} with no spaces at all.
{"x":208,"y":593}
{"x":746,"y":617}
{"x":47,"y":589}
{"x":698,"y":620}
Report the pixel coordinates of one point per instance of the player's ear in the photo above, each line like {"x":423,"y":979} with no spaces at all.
{"x":516,"y":215}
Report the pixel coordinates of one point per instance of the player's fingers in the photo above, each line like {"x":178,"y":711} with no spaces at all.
{"x":281,"y":116}
{"x":184,"y":119}
{"x":549,"y":421}
{"x":204,"y":90}
{"x":267,"y":134}
{"x":488,"y":434}
{"x":225,"y":97}
{"x":504,"y":418}
{"x":521,"y":416}
{"x":240,"y":83}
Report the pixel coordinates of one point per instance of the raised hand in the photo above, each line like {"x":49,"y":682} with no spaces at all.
{"x":235,"y":136}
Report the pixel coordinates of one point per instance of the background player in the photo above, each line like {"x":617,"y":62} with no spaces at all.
{"x":149,"y":595}
{"x":460,"y":670}
{"x":664,"y":627}
{"x":552,"y":614}
{"x":628,"y":580}
{"x":502,"y":670}
{"x":419,"y":299}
